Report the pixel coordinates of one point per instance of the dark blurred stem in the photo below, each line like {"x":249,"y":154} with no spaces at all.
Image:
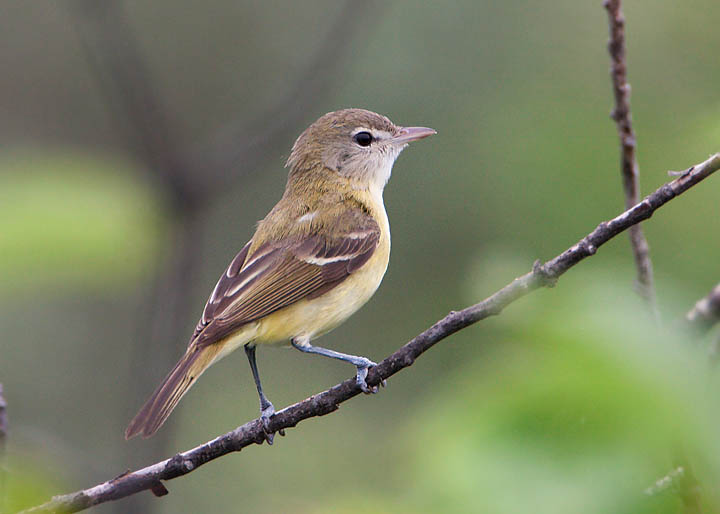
{"x":628,"y":161}
{"x":3,"y":443}
{"x":242,"y":146}
{"x":165,"y":321}
{"x":166,"y":317}
{"x":116,"y":59}
{"x":255,"y":432}
{"x":169,"y":297}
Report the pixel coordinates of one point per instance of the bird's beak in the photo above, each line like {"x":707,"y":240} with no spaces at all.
{"x":408,"y":134}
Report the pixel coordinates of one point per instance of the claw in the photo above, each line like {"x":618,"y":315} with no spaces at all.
{"x":265,"y":414}
{"x":269,"y":437}
{"x":362,"y":372}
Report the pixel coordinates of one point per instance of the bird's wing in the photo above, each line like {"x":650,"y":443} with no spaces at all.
{"x":279,"y":274}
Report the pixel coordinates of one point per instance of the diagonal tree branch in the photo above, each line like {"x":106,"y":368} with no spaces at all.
{"x":252,"y":432}
{"x":628,"y":161}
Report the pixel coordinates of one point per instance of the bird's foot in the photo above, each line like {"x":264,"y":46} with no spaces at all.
{"x":266,"y":412}
{"x":362,"y":372}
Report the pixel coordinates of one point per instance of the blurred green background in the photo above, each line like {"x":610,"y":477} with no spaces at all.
{"x":571,"y":401}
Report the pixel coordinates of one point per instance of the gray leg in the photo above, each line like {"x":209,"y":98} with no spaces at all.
{"x":266,"y":407}
{"x":361,"y":363}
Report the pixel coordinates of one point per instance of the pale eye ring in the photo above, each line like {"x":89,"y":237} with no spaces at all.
{"x":363,"y":138}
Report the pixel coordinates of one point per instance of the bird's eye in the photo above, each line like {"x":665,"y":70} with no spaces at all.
{"x":363,"y":138}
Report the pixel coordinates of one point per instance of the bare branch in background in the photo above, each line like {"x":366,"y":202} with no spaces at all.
{"x":703,"y":316}
{"x":628,"y":161}
{"x":682,"y":480}
{"x":240,"y":148}
{"x":706,"y":311}
{"x":3,"y":421}
{"x":236,"y":150}
{"x":118,"y":63}
{"x":3,"y":443}
{"x":542,"y":275}
{"x":115,"y":57}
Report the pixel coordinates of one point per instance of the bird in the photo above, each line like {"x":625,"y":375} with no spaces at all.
{"x":313,"y":261}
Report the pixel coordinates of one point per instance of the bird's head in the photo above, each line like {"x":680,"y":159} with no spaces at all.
{"x":354,"y":143}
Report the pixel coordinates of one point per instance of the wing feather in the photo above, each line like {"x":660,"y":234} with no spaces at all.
{"x":281,"y":273}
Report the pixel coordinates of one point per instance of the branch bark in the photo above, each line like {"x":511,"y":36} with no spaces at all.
{"x":628,"y":161}
{"x":542,"y":275}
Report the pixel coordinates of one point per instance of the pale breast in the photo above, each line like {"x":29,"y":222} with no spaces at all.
{"x":315,"y":317}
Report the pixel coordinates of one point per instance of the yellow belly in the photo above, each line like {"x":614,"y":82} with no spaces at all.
{"x":313,"y":318}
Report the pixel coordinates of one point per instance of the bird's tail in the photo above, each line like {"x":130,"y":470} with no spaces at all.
{"x":166,"y":397}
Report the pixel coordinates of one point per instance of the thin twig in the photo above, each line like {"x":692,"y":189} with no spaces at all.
{"x":706,"y":311}
{"x":628,"y":161}
{"x":3,"y":421}
{"x":684,"y":483}
{"x":702,"y":317}
{"x":3,"y":443}
{"x":252,"y":432}
{"x":664,"y":483}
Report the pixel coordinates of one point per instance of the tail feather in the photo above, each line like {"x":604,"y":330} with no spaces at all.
{"x":166,"y":397}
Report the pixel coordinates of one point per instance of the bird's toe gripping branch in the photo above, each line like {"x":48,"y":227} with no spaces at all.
{"x":361,"y":378}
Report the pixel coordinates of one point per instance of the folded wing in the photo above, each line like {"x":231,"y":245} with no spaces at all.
{"x":280,"y":273}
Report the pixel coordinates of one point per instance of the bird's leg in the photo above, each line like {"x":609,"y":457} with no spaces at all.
{"x":361,"y":363}
{"x":266,"y":407}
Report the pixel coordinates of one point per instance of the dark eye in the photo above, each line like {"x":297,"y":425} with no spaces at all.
{"x":363,"y":138}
